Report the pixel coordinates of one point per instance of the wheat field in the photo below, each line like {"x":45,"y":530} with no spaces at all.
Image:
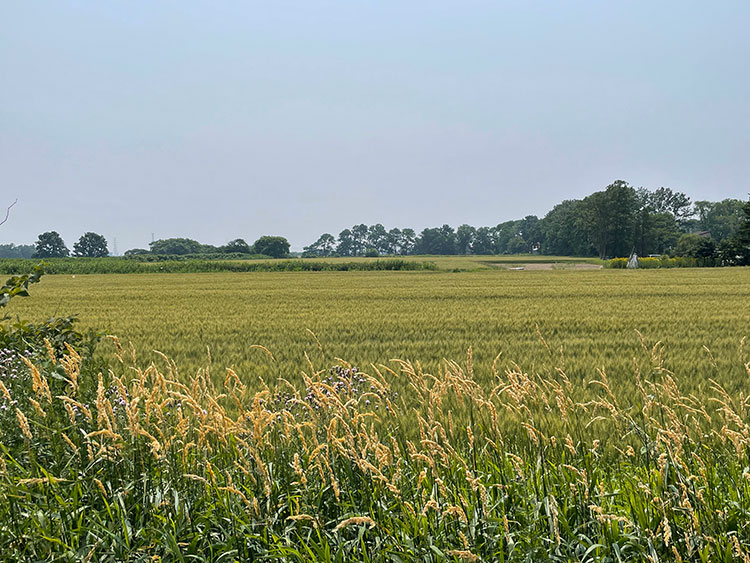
{"x":581,"y":320}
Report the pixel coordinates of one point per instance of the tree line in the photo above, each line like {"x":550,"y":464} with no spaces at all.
{"x":51,"y":245}
{"x":609,"y":223}
{"x":93,"y":245}
{"x":612,"y":222}
{"x":273,"y":246}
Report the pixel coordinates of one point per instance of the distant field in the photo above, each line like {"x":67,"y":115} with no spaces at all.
{"x":368,"y":317}
{"x":470,"y":262}
{"x":193,"y":264}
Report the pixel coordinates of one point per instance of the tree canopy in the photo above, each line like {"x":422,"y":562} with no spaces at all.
{"x":276,"y":247}
{"x":17,"y":251}
{"x":238,"y":246}
{"x":50,"y":245}
{"x":175,"y":246}
{"x":91,"y":245}
{"x":612,"y":222}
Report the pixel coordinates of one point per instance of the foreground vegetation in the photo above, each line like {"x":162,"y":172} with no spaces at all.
{"x":335,"y":465}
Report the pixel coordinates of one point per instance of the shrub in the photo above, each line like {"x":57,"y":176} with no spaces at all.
{"x":663,"y":261}
{"x":617,"y":263}
{"x":649,"y":263}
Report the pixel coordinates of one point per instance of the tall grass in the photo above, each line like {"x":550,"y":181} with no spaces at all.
{"x":141,"y":462}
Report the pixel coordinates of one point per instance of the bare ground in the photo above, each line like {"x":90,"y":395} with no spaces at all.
{"x":550,"y":266}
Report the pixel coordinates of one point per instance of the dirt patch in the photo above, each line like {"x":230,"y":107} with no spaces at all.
{"x":561,"y":266}
{"x":546,"y":266}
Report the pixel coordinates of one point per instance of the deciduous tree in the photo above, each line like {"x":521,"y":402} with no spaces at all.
{"x":484,"y":241}
{"x":236,"y":246}
{"x":609,"y":219}
{"x":721,"y":218}
{"x":465,"y":235}
{"x":276,"y":247}
{"x":50,"y":245}
{"x":563,"y":233}
{"x":175,"y":246}
{"x":91,"y":245}
{"x":16,"y":250}
{"x":666,"y":200}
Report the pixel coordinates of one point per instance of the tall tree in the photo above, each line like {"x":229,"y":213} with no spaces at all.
{"x":437,"y":240}
{"x":408,"y":240}
{"x":448,"y":238}
{"x":377,"y":238}
{"x":484,"y":241}
{"x":428,"y":241}
{"x":703,"y":249}
{"x":276,"y":247}
{"x":722,"y":218}
{"x":518,"y":245}
{"x":666,"y":200}
{"x":50,"y":245}
{"x":609,"y":219}
{"x":465,"y":235}
{"x":91,"y":245}
{"x":346,"y":245}
{"x":324,"y":246}
{"x":393,"y":241}
{"x":359,"y":236}
{"x":563,"y":233}
{"x":529,"y":229}
{"x":504,"y":233}
{"x":741,"y":240}
{"x":655,"y":233}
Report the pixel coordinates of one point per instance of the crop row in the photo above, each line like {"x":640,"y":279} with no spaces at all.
{"x":110,"y":265}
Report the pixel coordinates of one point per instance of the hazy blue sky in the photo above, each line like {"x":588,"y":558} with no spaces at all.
{"x":217,"y":120}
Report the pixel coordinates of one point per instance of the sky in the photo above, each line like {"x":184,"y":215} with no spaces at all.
{"x":217,"y":120}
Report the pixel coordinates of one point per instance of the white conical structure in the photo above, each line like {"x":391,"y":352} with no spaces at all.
{"x":633,"y":262}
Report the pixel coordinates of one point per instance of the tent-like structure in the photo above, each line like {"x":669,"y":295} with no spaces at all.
{"x":633,"y":261}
